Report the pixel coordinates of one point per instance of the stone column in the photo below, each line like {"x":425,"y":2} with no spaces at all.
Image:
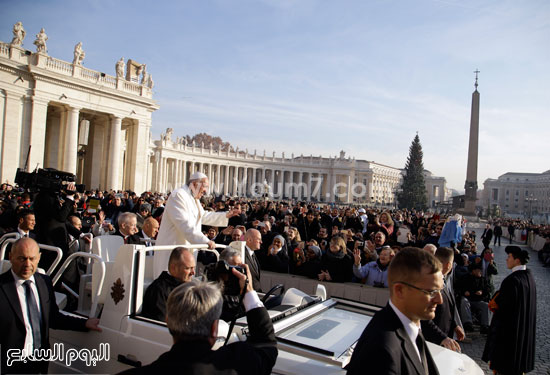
{"x":184,"y":175}
{"x":71,"y":141}
{"x":113,"y":172}
{"x":156,"y":183}
{"x":331,"y":186}
{"x":166,"y":169}
{"x":253,"y":181}
{"x":309,"y":187}
{"x":210,"y":178}
{"x":149,"y":178}
{"x":322,"y":181}
{"x":226,"y":183}
{"x":11,"y":135}
{"x":245,"y":181}
{"x":236,"y":180}
{"x":218,"y":178}
{"x":176,"y":173}
{"x":349,"y":195}
{"x":290,"y":185}
{"x":370,"y":187}
{"x":38,"y":133}
{"x":162,"y":173}
{"x":300,"y":191}
{"x":272,"y":187}
{"x":192,"y":170}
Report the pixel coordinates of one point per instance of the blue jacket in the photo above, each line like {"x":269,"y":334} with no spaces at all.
{"x":372,"y":272}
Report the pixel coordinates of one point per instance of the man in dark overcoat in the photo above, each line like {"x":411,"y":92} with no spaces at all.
{"x":510,"y":346}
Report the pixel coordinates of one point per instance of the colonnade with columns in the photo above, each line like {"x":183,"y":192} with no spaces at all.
{"x":104,"y":150}
{"x":61,"y":115}
{"x":231,"y":178}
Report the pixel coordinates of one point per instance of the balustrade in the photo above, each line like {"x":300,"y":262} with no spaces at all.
{"x":5,"y":49}
{"x":59,"y":65}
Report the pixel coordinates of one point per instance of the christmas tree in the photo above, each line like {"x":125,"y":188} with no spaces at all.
{"x":413,"y":190}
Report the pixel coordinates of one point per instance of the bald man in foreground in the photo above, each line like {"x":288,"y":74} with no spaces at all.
{"x":28,"y":309}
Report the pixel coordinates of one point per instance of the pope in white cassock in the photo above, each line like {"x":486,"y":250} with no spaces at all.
{"x":183,"y":217}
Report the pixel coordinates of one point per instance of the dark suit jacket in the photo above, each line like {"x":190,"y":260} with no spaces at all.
{"x":51,"y":228}
{"x":255,"y":356}
{"x":254,"y":270}
{"x":444,"y":319}
{"x":385,"y":348}
{"x":12,"y":325}
{"x":134,"y":239}
{"x":487,"y":236}
{"x":156,"y":295}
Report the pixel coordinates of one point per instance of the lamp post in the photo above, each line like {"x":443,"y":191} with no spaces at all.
{"x":531,"y":199}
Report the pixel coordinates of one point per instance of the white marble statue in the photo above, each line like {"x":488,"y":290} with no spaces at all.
{"x":140,"y":71}
{"x":79,"y":54}
{"x":119,"y":67}
{"x":40,"y":41}
{"x":18,"y":34}
{"x":168,"y":135}
{"x":149,"y":81}
{"x":143,"y":74}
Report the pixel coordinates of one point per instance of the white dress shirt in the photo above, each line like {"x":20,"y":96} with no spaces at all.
{"x":411,"y":328}
{"x":23,"y":301}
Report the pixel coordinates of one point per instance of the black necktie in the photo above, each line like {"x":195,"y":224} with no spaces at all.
{"x":420,"y":344}
{"x":33,"y":314}
{"x":256,"y":263}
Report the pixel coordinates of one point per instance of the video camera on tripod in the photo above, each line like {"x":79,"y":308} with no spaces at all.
{"x":49,"y":179}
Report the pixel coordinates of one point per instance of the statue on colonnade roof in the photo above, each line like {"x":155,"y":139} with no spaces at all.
{"x":18,"y":34}
{"x":40,"y":42}
{"x":120,"y":68}
{"x":79,"y":54}
{"x":168,"y":135}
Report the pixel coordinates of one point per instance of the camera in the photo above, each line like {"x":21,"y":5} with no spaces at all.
{"x":222,"y":271}
{"x":49,"y":179}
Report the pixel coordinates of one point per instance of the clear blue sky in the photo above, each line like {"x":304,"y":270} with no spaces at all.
{"x":320,"y":76}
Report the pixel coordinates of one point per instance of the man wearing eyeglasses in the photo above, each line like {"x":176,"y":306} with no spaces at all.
{"x":392,"y":343}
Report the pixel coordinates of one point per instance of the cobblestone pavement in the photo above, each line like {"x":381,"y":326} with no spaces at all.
{"x":475,"y":342}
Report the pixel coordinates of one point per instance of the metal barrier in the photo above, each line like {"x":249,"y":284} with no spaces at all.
{"x":64,"y":266}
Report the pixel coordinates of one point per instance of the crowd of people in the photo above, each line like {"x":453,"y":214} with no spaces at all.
{"x":321,"y":241}
{"x":324,"y":242}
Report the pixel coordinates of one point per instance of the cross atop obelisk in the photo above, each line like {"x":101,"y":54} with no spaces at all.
{"x":471,"y":173}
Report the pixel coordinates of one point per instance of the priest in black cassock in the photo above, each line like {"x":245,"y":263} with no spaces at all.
{"x":510,"y":346}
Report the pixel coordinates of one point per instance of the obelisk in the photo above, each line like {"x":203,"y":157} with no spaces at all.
{"x":471,"y":172}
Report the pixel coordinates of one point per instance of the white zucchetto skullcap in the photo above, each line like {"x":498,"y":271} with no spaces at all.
{"x":197,"y":176}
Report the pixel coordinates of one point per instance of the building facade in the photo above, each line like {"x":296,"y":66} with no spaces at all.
{"x":524,"y":194}
{"x":240,"y":173}
{"x":58,"y":114}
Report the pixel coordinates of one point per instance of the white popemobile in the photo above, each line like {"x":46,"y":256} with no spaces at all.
{"x":315,"y":335}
